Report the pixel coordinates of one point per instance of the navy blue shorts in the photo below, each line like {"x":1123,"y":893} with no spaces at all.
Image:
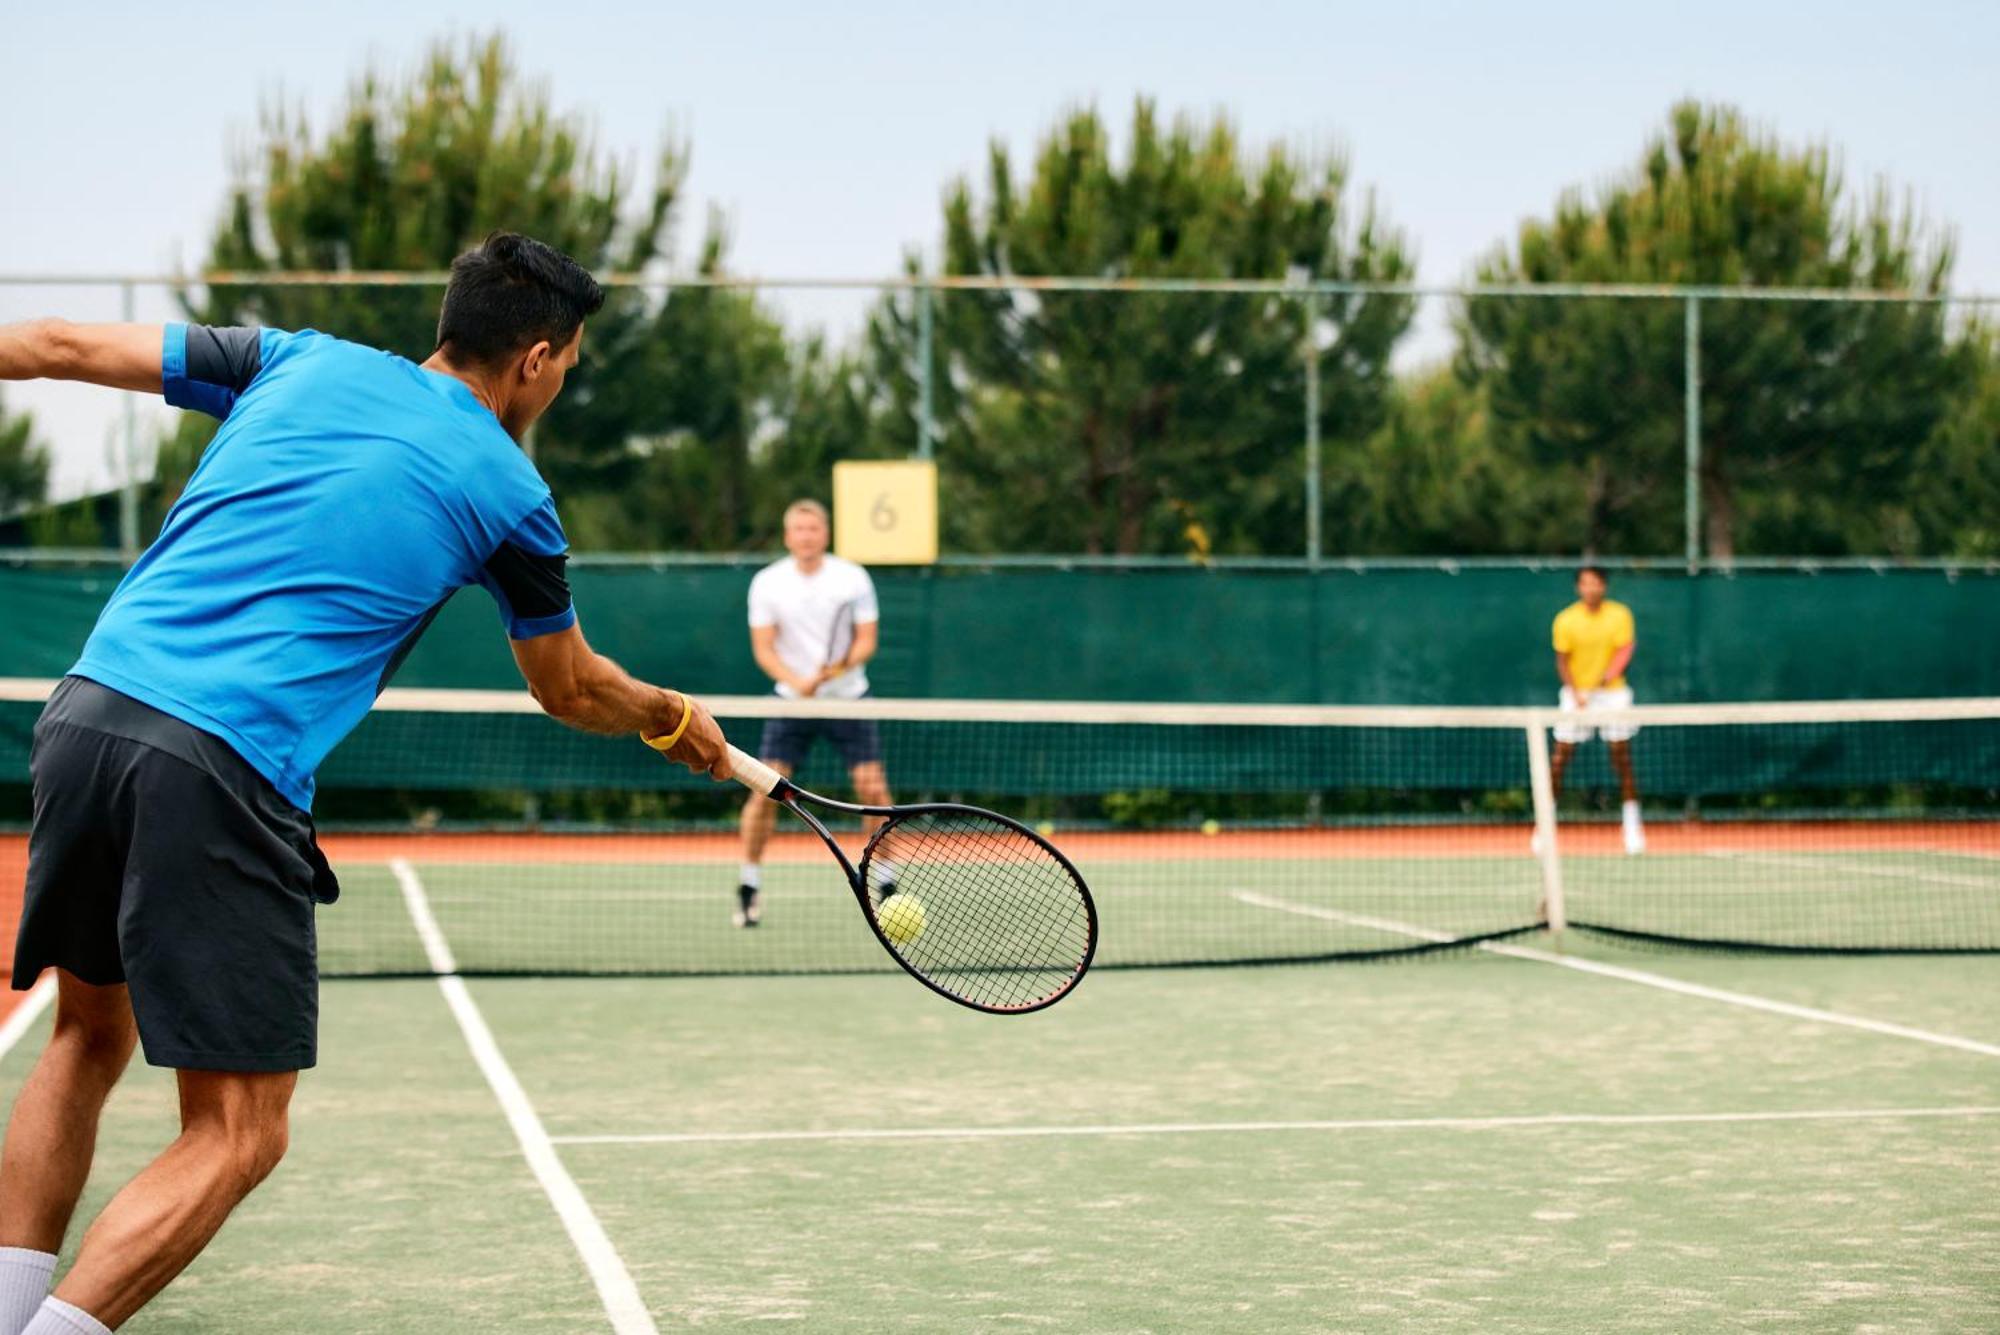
{"x":788,"y":740}
{"x":160,"y":859}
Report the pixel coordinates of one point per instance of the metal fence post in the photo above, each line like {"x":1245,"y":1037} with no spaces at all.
{"x":1310,"y":350}
{"x":1693,"y":432}
{"x":926,"y":423}
{"x":128,"y":487}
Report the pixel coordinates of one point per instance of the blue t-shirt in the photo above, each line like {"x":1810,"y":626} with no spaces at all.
{"x":348,"y":494}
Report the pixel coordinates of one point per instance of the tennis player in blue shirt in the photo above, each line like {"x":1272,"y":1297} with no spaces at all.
{"x":172,"y":869}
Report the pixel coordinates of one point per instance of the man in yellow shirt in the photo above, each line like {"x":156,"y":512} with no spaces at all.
{"x":1594,"y":639}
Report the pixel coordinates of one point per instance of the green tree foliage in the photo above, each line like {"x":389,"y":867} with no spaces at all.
{"x":1436,"y":477}
{"x":1813,"y":415}
{"x":1953,"y":501}
{"x":651,"y":443}
{"x":411,"y":172}
{"x":1120,"y":422}
{"x":24,"y":463}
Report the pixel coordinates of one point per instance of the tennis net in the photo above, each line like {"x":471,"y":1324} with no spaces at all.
{"x":1209,"y":834}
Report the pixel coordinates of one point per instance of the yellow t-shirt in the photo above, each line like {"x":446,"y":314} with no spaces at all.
{"x":1590,"y":639}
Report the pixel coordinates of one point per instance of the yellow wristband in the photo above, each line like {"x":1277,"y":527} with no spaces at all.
{"x":667,"y":741}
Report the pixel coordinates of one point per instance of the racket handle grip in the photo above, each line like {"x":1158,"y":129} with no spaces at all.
{"x":753,"y":773}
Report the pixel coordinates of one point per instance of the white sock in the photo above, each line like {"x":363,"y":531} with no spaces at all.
{"x":25,"y":1279}
{"x":57,"y":1317}
{"x":1632,"y":812}
{"x":753,"y":875}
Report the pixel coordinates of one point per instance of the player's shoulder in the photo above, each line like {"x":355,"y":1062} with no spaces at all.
{"x":772,"y":573}
{"x":1570,"y":613}
{"x":310,"y":343}
{"x":850,"y":570}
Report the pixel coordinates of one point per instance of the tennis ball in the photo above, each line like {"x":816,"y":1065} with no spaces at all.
{"x":1211,"y":827}
{"x":901,"y":918}
{"x":1046,"y":828}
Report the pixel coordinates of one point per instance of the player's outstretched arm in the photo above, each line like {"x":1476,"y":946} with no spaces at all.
{"x":117,"y":356}
{"x":575,"y":684}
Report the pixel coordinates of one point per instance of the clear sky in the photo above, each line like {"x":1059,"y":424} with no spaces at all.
{"x":827,"y":131}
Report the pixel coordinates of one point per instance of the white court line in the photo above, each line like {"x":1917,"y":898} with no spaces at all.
{"x":1644,"y":979}
{"x":24,"y":1014}
{"x":1897,"y":873}
{"x":1242,"y":1128}
{"x":614,"y":1283}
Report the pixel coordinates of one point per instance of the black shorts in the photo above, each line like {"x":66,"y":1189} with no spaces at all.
{"x":788,"y":740}
{"x":159,"y":858}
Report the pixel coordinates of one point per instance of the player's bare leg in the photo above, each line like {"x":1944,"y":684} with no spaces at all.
{"x":871,"y":789}
{"x":760,"y":815}
{"x":233,"y":1132}
{"x":53,"y":1134}
{"x":1628,"y":793}
{"x":1558,"y":762}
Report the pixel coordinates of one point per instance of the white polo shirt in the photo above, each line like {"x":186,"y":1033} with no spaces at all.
{"x":815,"y":615}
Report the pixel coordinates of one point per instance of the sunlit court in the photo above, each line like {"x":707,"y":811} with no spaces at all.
{"x":1058,"y":668}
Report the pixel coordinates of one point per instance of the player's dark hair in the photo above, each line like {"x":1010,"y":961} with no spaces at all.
{"x":509,"y":293}
{"x":1598,"y":571}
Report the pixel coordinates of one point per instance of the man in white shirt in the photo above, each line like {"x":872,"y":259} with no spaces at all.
{"x":813,"y":627}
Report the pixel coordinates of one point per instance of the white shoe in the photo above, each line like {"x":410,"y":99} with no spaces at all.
{"x":1635,"y":838}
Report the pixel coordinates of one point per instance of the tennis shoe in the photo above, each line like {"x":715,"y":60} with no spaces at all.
{"x":749,"y":906}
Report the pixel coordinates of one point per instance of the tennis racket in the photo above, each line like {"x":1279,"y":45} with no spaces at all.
{"x":976,"y":907}
{"x":843,"y":629}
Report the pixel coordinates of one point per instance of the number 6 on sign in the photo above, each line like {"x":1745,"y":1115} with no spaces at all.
{"x":885,"y":512}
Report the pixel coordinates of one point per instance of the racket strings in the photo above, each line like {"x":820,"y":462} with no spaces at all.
{"x":1004,"y":922}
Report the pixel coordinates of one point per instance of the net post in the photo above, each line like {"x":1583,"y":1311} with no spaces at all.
{"x":1541,"y":785}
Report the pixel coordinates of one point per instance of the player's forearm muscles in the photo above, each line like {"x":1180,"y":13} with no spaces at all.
{"x":771,"y":665}
{"x":603,"y":697}
{"x":867,"y":636}
{"x":764,"y":649}
{"x":576,"y":685}
{"x":118,"y":356}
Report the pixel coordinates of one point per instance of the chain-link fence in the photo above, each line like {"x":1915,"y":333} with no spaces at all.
{"x":1128,"y":421}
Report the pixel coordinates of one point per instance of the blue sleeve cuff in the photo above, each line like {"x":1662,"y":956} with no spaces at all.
{"x":530,"y":628}
{"x":181,"y":392}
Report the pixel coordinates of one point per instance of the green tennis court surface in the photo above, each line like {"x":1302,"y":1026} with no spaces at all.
{"x":1277,"y":1149}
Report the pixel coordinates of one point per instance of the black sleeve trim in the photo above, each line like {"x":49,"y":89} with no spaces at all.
{"x":230,"y":357}
{"x":534,"y":586}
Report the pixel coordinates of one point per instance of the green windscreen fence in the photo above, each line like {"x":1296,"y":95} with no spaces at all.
{"x":1478,"y":636}
{"x":1209,"y":834}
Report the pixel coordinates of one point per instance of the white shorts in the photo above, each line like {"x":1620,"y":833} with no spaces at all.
{"x":1569,"y":734}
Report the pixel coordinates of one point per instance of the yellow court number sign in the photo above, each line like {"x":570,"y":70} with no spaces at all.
{"x":885,"y":512}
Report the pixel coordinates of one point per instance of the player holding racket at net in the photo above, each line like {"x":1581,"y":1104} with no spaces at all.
{"x":814,"y":624}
